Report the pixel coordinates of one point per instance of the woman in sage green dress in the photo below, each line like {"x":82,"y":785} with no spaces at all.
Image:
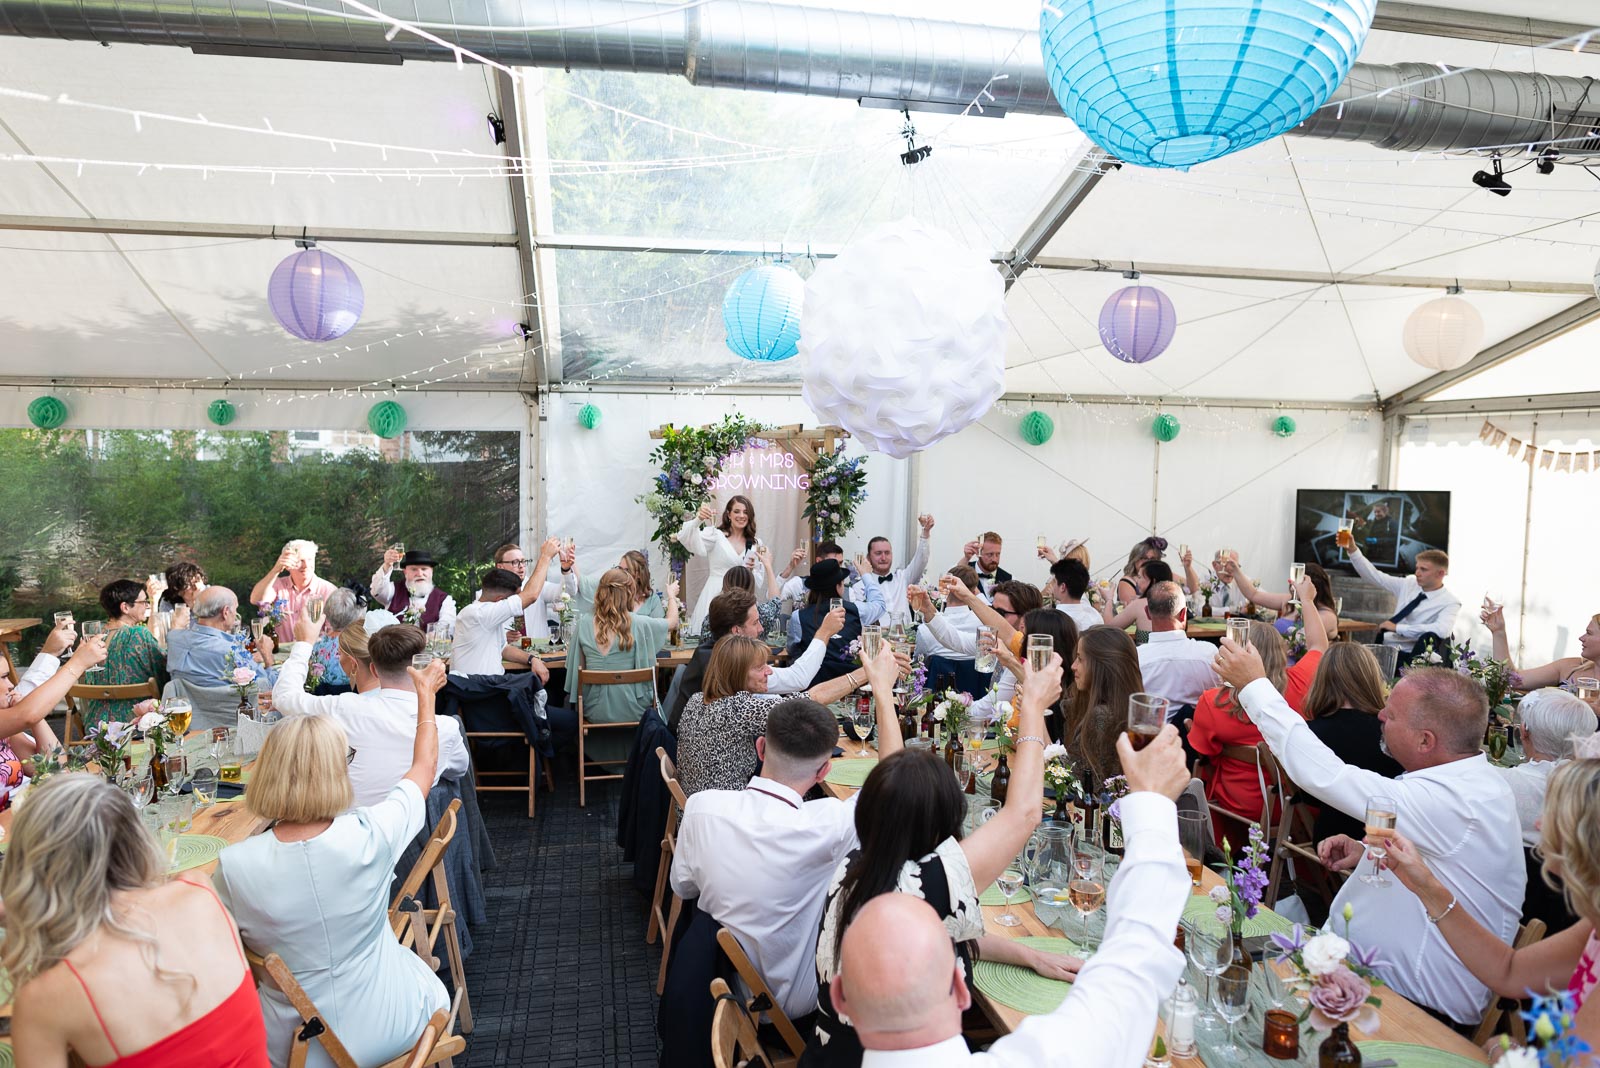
{"x":132,"y":653}
{"x":616,"y":638}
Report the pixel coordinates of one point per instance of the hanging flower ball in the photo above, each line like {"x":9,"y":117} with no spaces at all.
{"x":761,"y":313}
{"x":589,"y":416}
{"x":903,"y":338}
{"x":315,"y":295}
{"x":1137,"y":323}
{"x":1165,"y":427}
{"x":1443,"y":334}
{"x":221,"y":412}
{"x":1036,"y":427}
{"x":1283,"y":426}
{"x":47,"y":412}
{"x":1172,"y":83}
{"x":386,"y":419}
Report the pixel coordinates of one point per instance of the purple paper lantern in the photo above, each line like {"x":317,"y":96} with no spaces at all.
{"x":315,"y":295}
{"x":1137,"y":324}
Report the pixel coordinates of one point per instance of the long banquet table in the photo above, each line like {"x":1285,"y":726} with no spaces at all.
{"x":1399,"y":1019}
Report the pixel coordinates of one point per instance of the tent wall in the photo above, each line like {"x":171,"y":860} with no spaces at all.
{"x":1501,"y":523}
{"x":593,"y":476}
{"x":1225,"y":481}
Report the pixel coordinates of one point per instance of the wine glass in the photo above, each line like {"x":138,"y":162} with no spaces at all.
{"x":1087,"y":891}
{"x":90,"y":628}
{"x":1381,"y":813}
{"x":176,"y":765}
{"x":1230,"y":993}
{"x":138,"y":784}
{"x":1010,"y":881}
{"x":1209,"y":954}
{"x":861,"y":723}
{"x":178,"y":712}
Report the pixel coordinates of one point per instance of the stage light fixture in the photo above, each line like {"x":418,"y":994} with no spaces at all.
{"x":1495,"y":183}
{"x":497,"y":128}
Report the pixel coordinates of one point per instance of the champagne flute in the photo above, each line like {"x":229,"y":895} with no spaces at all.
{"x":1381,"y":813}
{"x":92,"y":627}
{"x":871,"y":642}
{"x":1010,"y":881}
{"x":861,"y":724}
{"x":1297,"y":572}
{"x":1147,"y":714}
{"x":1042,"y":543}
{"x":1040,"y":648}
{"x":64,"y":621}
{"x":1231,"y":995}
{"x":1087,"y":891}
{"x":986,"y":660}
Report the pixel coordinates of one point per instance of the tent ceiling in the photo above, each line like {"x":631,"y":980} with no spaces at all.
{"x":634,"y":157}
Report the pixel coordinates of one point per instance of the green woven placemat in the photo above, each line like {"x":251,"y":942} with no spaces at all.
{"x":193,"y":850}
{"x":7,"y":1059}
{"x":993,"y":896}
{"x":1407,"y":1055}
{"x":851,"y":771}
{"x":1202,"y":910}
{"x":1023,"y":988}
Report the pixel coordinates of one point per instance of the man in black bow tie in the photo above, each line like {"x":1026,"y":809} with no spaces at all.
{"x":983,"y":556}
{"x":878,"y":568}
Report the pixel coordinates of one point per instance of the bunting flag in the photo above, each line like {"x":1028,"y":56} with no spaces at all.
{"x":1548,"y":459}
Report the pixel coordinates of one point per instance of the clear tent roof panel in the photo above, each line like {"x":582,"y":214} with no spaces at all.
{"x":1566,"y":364}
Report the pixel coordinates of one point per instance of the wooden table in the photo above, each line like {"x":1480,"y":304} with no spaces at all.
{"x":1398,"y":1021}
{"x":11,"y":633}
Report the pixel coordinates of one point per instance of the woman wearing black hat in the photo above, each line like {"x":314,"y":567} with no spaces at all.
{"x":825,"y":585}
{"x":419,"y":602}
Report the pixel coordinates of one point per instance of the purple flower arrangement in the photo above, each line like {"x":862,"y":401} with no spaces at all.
{"x":1337,"y":976}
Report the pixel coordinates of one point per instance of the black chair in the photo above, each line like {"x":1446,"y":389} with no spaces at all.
{"x":968,"y":678}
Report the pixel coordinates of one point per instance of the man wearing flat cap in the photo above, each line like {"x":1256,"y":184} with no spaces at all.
{"x":419,"y":602}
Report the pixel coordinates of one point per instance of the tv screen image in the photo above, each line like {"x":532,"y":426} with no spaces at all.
{"x":1389,"y":526}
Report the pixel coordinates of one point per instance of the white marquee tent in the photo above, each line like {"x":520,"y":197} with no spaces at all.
{"x":147,"y":191}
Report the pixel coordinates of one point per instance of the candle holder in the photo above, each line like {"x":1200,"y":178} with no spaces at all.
{"x":1281,"y":1040}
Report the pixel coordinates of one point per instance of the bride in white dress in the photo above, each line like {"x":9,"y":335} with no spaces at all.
{"x":732,"y":543}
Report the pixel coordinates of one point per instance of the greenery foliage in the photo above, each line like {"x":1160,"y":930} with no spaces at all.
{"x":78,"y":510}
{"x":838,"y":486}
{"x":689,"y":459}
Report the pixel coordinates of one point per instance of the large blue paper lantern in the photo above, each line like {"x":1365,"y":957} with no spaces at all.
{"x":1172,"y":83}
{"x":1137,"y":323}
{"x":761,"y":313}
{"x":315,"y":295}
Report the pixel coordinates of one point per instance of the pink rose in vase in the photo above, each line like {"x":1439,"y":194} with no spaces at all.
{"x":1339,"y":997}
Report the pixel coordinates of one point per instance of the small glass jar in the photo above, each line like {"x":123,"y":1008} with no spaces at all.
{"x":1281,"y":1038}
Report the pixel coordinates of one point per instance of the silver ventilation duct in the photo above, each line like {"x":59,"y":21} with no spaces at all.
{"x":880,"y":60}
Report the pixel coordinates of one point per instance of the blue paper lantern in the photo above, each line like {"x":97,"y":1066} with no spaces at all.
{"x":1172,"y":83}
{"x":315,"y":295}
{"x":1137,"y":323}
{"x":761,"y":313}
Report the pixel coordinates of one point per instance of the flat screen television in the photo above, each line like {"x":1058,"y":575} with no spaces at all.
{"x":1391,"y":526}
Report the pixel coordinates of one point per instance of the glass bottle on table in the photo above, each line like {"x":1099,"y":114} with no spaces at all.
{"x":1001,"y":786}
{"x":1337,"y":1051}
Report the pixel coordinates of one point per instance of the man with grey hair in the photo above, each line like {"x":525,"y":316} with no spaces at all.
{"x":208,"y":652}
{"x":1450,"y":802}
{"x":1174,"y":665}
{"x":293,"y":579}
{"x":1552,"y":722}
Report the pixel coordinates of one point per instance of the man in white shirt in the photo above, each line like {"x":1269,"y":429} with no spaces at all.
{"x":1450,"y":802}
{"x":420,"y":602}
{"x":902,"y":986}
{"x":380,"y":717}
{"x":480,"y":632}
{"x":892,"y":582}
{"x":760,"y":859}
{"x":1069,"y":582}
{"x":546,"y":608}
{"x":1174,"y":665}
{"x":1422,"y":604}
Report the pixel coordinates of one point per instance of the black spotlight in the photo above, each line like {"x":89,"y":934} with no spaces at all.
{"x":524,"y":331}
{"x":1495,"y":183}
{"x":497,"y":128}
{"x":1547,"y":161}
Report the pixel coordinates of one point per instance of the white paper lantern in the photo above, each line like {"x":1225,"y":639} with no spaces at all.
{"x":1443,"y":334}
{"x":903,"y":338}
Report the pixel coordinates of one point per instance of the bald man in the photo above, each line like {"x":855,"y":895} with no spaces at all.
{"x":901,"y":985}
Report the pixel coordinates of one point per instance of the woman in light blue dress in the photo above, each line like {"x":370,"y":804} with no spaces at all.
{"x":314,"y":888}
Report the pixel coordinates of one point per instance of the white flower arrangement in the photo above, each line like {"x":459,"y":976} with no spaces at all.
{"x":1324,"y":953}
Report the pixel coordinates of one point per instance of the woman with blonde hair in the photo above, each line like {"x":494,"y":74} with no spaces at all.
{"x":111,"y":960}
{"x":314,"y":887}
{"x":1557,"y":672}
{"x":615,"y":638}
{"x":1570,"y":851}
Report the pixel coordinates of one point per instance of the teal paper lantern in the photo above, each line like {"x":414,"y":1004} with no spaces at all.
{"x":386,"y":419}
{"x":47,"y":412}
{"x":1165,"y":427}
{"x":589,"y":416}
{"x":1283,"y":426}
{"x":1172,"y":83}
{"x":1037,"y":427}
{"x":761,"y":313}
{"x":221,"y":412}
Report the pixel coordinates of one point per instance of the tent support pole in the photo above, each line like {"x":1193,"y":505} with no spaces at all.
{"x":1527,"y":529}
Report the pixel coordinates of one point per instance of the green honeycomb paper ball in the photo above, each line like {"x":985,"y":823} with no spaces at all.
{"x":47,"y":413}
{"x":589,"y":416}
{"x":1165,"y":427}
{"x":221,"y":412}
{"x":1037,"y":427}
{"x":386,"y":419}
{"x":1283,"y":426}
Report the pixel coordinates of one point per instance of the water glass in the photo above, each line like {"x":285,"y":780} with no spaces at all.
{"x":1192,"y":837}
{"x":986,"y":660}
{"x":1239,"y":631}
{"x":1040,"y":649}
{"x":203,"y":782}
{"x":422,"y":660}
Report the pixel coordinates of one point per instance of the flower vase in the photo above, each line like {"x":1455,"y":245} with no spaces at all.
{"x":158,"y":771}
{"x":1241,"y":955}
{"x":1337,"y":1051}
{"x":1205,"y":610}
{"x":246,"y":710}
{"x":1062,"y":815}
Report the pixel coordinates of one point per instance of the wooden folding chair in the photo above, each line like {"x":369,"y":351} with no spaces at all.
{"x":734,"y":1041}
{"x":436,"y":1044}
{"x":586,"y":679}
{"x":666,"y":924}
{"x":1295,"y":837}
{"x":419,"y":928}
{"x":528,"y":786}
{"x":761,"y":1000}
{"x":133,"y":691}
{"x":1527,"y":934}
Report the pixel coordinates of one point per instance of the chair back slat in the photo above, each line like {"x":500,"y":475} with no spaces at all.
{"x":438,"y":842}
{"x":760,"y":991}
{"x":734,"y":1041}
